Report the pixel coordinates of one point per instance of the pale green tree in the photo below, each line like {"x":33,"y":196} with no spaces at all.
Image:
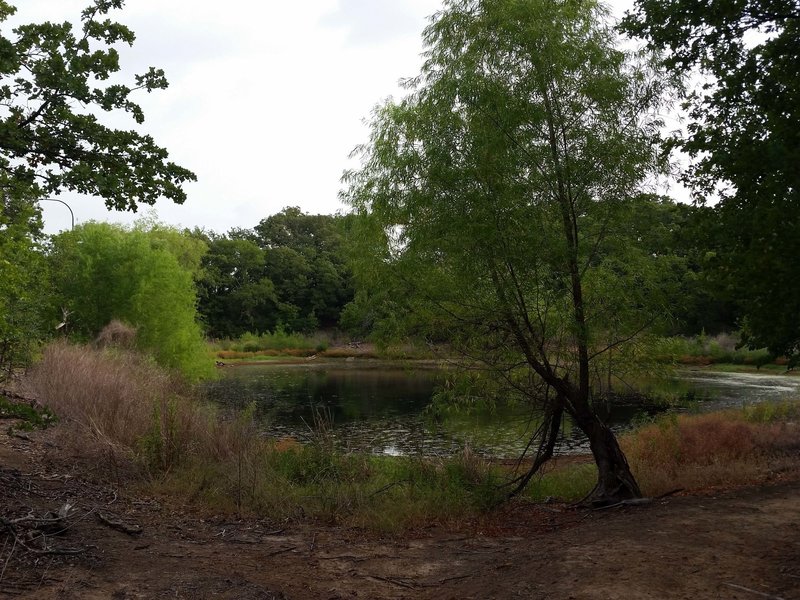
{"x":103,"y":272}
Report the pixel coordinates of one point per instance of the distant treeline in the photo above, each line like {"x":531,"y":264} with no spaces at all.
{"x":289,"y":271}
{"x":292,"y":272}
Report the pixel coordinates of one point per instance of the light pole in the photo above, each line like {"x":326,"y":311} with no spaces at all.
{"x":71,"y":214}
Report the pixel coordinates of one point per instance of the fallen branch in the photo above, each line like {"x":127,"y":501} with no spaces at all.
{"x":456,"y":578}
{"x":631,"y":502}
{"x":10,"y":527}
{"x":640,"y":501}
{"x":51,"y":523}
{"x":394,"y":581}
{"x":741,"y":588}
{"x":116,"y":522}
{"x":281,"y":551}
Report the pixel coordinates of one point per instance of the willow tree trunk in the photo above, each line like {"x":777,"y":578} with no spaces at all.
{"x":615,"y":481}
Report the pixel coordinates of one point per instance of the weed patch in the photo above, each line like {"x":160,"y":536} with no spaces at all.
{"x":30,"y":417}
{"x":124,"y":408}
{"x":724,"y":448}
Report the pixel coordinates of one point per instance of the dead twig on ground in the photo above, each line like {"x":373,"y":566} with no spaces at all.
{"x":116,"y":522}
{"x":37,"y":529}
{"x":281,"y":551}
{"x":741,"y":588}
{"x":394,"y":581}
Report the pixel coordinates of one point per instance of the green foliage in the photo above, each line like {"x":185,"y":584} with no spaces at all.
{"x":463,"y":191}
{"x":279,"y":339}
{"x":722,"y":349}
{"x":685,"y":235}
{"x":305,"y":261}
{"x":31,"y":416}
{"x":235,"y":295}
{"x":500,"y":197}
{"x":103,"y":272}
{"x":742,"y":135}
{"x":54,"y":87}
{"x":24,"y":294}
{"x":288,"y":272}
{"x":54,"y":82}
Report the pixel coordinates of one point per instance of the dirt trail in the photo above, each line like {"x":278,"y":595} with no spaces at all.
{"x":739,"y":544}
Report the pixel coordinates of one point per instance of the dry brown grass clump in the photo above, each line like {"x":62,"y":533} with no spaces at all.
{"x":116,"y":335}
{"x":716,"y":449}
{"x":122,"y":401}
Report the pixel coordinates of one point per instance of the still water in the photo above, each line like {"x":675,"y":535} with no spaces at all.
{"x":381,"y":409}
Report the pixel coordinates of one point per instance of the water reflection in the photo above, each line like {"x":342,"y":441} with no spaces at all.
{"x":381,"y":409}
{"x":715,"y":390}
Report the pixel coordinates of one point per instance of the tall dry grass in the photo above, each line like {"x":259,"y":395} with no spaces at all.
{"x":121,"y":401}
{"x":109,"y":393}
{"x":122,"y":406}
{"x":717,"y":449}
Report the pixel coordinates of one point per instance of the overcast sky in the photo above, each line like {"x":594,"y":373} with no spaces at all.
{"x":266,"y":99}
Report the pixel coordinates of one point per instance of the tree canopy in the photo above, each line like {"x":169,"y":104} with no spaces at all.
{"x":235,"y":295}
{"x":23,"y":280}
{"x":500,"y":192}
{"x":289,"y":271}
{"x":54,"y":84}
{"x":742,"y":137}
{"x":104,"y":272}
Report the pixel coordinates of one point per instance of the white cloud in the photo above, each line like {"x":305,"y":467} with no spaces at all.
{"x":369,"y":22}
{"x":266,"y":99}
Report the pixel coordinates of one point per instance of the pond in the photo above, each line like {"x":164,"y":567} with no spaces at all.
{"x":380,"y":408}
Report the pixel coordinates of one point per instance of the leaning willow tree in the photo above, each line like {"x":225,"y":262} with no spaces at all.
{"x":501,"y":191}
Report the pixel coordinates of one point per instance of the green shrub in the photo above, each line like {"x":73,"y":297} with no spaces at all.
{"x":32,"y":417}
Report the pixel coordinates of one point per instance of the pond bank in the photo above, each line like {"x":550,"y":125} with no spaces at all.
{"x":735,"y":543}
{"x":382,"y":407}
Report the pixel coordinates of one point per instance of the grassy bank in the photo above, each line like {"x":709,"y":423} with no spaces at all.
{"x":126,"y":418}
{"x":721,"y":351}
{"x":281,"y":345}
{"x":718,"y":352}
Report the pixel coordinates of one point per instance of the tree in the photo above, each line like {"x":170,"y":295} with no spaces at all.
{"x":53,"y":82}
{"x":305,"y":260}
{"x":103,"y":272}
{"x":289,"y":271}
{"x":23,"y":281}
{"x":742,"y":137}
{"x":235,"y":295}
{"x":691,"y":235}
{"x":500,"y":192}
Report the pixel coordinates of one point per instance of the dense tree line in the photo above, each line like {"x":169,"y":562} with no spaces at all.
{"x":23,"y":279}
{"x":289,"y":271}
{"x":742,"y":137}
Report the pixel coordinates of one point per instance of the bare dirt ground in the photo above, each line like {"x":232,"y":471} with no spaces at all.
{"x":735,"y":544}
